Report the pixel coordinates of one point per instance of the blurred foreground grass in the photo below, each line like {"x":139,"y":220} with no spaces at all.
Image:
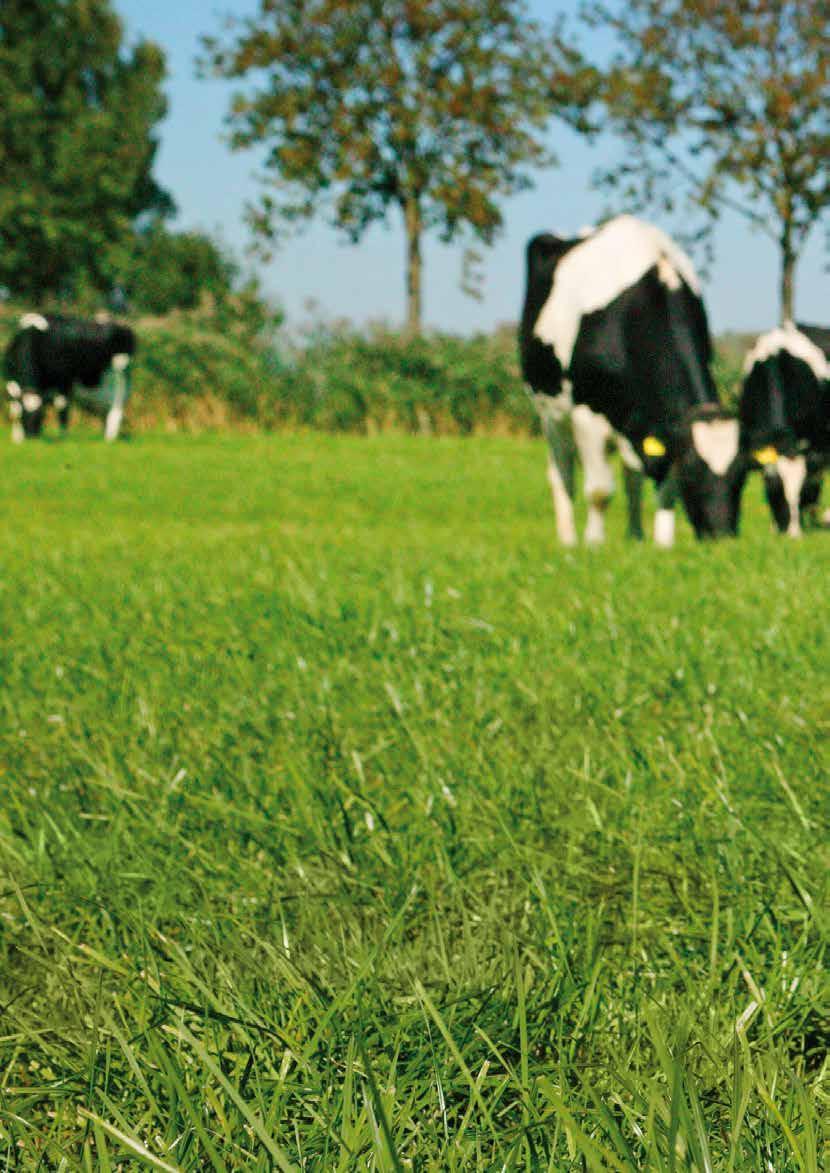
{"x":348,"y":823}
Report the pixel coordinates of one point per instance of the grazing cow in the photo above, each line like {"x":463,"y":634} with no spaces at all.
{"x":785,"y":421}
{"x":49,"y":356}
{"x":615,"y":347}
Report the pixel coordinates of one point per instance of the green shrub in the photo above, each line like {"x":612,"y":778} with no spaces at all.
{"x":348,"y":381}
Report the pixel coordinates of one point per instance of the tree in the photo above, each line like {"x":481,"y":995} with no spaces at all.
{"x":728,"y":101}
{"x":159,"y":270}
{"x":77,"y":144}
{"x":434,"y":107}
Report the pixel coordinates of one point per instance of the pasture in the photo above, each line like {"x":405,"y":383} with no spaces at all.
{"x":348,"y":823}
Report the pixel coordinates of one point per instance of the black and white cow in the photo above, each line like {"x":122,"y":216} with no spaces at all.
{"x":785,"y":421}
{"x":50,"y":356}
{"x":615,"y":346}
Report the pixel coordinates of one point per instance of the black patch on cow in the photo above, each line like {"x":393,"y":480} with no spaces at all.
{"x":642,"y":362}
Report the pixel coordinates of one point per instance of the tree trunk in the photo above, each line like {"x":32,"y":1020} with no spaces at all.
{"x":414,"y":228}
{"x":787,"y":292}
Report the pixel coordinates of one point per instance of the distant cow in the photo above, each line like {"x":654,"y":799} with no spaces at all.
{"x":615,"y":346}
{"x":49,"y":357}
{"x":785,"y":421}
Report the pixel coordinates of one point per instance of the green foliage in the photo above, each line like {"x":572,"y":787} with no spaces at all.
{"x":77,"y":119}
{"x":347,"y":381}
{"x":434,"y":107}
{"x":190,"y":373}
{"x":728,"y":103}
{"x":349,"y":824}
{"x":160,"y":270}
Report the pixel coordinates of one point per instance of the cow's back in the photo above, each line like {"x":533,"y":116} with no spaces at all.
{"x":619,"y":313}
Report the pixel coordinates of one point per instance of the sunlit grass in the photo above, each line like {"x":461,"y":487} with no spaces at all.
{"x":348,"y":823}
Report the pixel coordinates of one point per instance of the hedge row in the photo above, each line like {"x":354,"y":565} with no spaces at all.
{"x":193,"y":373}
{"x":191,"y":377}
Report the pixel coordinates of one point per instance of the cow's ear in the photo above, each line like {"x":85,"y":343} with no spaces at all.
{"x":762,"y":457}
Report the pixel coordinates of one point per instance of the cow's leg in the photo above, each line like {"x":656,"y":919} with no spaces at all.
{"x":633,"y":484}
{"x":116,"y":413}
{"x":15,"y":411}
{"x":32,"y":412}
{"x":810,"y":503}
{"x":592,"y":435}
{"x":664,"y":517}
{"x":793,"y":472}
{"x":113,"y":425}
{"x":554,"y":413}
{"x":561,"y":478}
{"x":62,"y":408}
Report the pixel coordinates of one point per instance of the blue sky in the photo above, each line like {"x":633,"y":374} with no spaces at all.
{"x":365,"y":282}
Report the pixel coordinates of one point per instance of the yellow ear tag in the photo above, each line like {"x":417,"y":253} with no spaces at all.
{"x":766,"y":455}
{"x":653,"y":447}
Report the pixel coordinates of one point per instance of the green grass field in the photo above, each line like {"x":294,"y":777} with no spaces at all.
{"x":348,"y":823}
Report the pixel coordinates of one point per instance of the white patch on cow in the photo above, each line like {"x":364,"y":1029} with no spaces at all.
{"x":788,"y":338}
{"x":793,"y":472}
{"x":13,"y":389}
{"x":36,"y":321}
{"x":598,"y":270}
{"x":61,"y":402}
{"x":664,"y":528}
{"x":120,"y":362}
{"x":716,"y":443}
{"x":15,"y":409}
{"x":31,"y":401}
{"x":668,"y":274}
{"x":18,"y":435}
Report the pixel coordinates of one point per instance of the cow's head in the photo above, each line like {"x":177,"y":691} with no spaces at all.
{"x":792,"y":482}
{"x":709,"y":467}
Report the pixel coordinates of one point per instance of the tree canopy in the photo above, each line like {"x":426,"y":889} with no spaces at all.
{"x":159,"y":270}
{"x":437,"y":108}
{"x":78,"y":115}
{"x":727,"y":102}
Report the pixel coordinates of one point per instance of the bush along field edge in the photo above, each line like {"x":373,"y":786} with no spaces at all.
{"x":219,"y":367}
